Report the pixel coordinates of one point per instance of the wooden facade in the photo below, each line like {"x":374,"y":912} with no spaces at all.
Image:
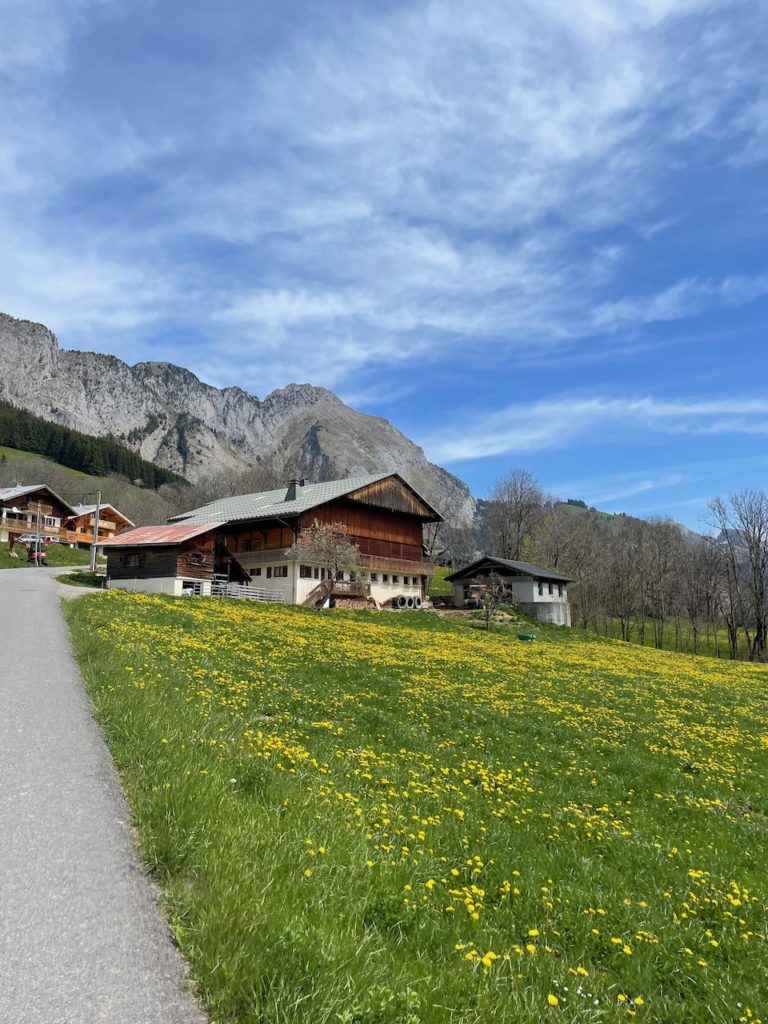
{"x":395,"y":495}
{"x":142,"y":563}
{"x":383,"y":518}
{"x":79,"y":528}
{"x":243,"y":538}
{"x":37,"y":510}
{"x":198,"y":558}
{"x":376,"y":531}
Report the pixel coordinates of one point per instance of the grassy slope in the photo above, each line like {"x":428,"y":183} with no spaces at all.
{"x":349,"y":813}
{"x":72,"y":485}
{"x":58,"y":554}
{"x":41,"y":463}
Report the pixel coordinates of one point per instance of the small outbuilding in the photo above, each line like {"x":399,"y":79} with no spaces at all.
{"x":535,"y":591}
{"x":170,"y":559}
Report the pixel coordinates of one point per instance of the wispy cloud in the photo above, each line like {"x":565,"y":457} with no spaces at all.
{"x":522,"y":429}
{"x":427,"y":180}
{"x":686,"y":298}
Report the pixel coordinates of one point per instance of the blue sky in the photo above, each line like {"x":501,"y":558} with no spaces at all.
{"x":529,"y":233}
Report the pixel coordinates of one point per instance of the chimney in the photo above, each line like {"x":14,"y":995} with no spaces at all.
{"x":293,"y":486}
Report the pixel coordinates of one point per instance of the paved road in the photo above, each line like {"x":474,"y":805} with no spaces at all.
{"x":81,"y":941}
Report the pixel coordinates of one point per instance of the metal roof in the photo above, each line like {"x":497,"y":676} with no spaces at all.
{"x":156,"y":536}
{"x":521,"y":568}
{"x":85,"y":510}
{"x":9,"y":493}
{"x":272,"y":504}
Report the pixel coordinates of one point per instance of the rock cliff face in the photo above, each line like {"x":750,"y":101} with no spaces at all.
{"x":170,"y":417}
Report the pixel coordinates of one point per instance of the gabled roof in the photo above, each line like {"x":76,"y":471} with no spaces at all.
{"x":272,"y":504}
{"x":88,"y":510}
{"x":156,"y":536}
{"x":512,"y":568}
{"x":11,"y":493}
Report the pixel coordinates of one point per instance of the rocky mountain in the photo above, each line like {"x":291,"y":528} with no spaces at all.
{"x":170,"y":417}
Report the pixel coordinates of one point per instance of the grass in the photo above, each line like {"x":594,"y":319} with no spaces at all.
{"x":437,"y":583}
{"x":42,"y":463}
{"x":57,"y":554}
{"x":81,"y":579}
{"x":394,"y":819}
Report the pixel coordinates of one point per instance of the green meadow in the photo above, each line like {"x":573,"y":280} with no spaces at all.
{"x":391,"y":819}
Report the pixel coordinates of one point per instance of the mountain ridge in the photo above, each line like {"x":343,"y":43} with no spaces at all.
{"x":168,"y":415}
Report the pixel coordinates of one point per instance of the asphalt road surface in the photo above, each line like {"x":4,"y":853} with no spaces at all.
{"x":81,"y":940}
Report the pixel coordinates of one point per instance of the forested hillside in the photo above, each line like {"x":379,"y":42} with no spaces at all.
{"x":97,"y":456}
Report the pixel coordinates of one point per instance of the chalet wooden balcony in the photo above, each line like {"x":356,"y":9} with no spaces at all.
{"x":19,"y":524}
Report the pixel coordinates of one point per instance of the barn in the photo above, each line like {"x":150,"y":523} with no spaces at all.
{"x":247,"y":539}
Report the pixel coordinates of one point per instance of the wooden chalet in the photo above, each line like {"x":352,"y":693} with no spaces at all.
{"x":81,"y":526}
{"x":32,"y":510}
{"x":247,"y":539}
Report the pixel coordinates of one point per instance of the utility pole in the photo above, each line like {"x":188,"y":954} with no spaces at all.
{"x":95,"y":538}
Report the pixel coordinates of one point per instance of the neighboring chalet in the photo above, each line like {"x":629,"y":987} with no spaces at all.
{"x":82,"y":523}
{"x":36,"y":509}
{"x":32,"y":509}
{"x":536,"y":591}
{"x":246,"y":539}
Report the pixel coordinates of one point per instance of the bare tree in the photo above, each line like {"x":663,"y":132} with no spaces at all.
{"x":493,"y":594}
{"x":327,"y":545}
{"x":743,"y":524}
{"x":514,"y":508}
{"x":663,"y":543}
{"x":460,"y":544}
{"x":550,"y":540}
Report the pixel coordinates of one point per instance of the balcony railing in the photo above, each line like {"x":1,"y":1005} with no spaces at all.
{"x":21,"y":524}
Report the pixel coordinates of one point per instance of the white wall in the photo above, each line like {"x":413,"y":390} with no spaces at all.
{"x":294,"y":589}
{"x":159,"y":585}
{"x":380,"y":591}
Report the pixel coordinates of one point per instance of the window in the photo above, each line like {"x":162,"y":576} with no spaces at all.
{"x":316,"y":573}
{"x":280,"y":572}
{"x":256,"y":571}
{"x":395,"y":579}
{"x":374,"y":577}
{"x":132,"y":561}
{"x":305,"y":572}
{"x":541,"y":588}
{"x":559,"y":589}
{"x":551,"y":590}
{"x":385,"y":578}
{"x":269,"y":572}
{"x":196,"y":558}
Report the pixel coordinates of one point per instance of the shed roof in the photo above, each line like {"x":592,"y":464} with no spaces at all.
{"x":156,"y":536}
{"x":271,"y":504}
{"x":513,"y":568}
{"x":18,"y":491}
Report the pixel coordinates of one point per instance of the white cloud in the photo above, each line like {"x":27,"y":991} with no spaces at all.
{"x":686,"y":298}
{"x":424,"y":181}
{"x":559,"y":423}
